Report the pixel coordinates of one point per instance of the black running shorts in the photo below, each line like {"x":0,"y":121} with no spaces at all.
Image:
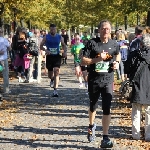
{"x":106,"y":94}
{"x":53,"y":61}
{"x":83,"y":68}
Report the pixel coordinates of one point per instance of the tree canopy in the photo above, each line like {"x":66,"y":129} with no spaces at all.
{"x":67,"y":13}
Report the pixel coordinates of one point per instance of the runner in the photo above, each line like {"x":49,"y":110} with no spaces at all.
{"x":53,"y":57}
{"x":66,"y":38}
{"x":80,"y":70}
{"x":100,"y":54}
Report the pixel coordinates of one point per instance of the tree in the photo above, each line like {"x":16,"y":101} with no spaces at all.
{"x":67,"y":13}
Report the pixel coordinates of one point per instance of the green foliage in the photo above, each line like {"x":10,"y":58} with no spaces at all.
{"x":67,"y":13}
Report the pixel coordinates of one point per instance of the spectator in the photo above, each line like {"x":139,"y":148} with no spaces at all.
{"x":14,"y":44}
{"x":135,"y":44}
{"x":66,"y":39}
{"x":124,"y":53}
{"x":139,"y":71}
{"x":131,"y":37}
{"x":4,"y":47}
{"x":34,"y":45}
{"x":20,"y":51}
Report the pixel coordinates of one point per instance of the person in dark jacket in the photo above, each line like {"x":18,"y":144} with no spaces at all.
{"x":139,"y":71}
{"x":134,"y":45}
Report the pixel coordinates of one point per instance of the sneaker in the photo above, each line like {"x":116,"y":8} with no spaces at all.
{"x":30,"y":80}
{"x":81,"y":85}
{"x":34,"y":80}
{"x":63,"y":62}
{"x":87,"y":93}
{"x":55,"y":94}
{"x":51,"y":84}
{"x":106,"y":143}
{"x":86,"y":85}
{"x":26,"y":81}
{"x":91,"y":133}
{"x":20,"y":80}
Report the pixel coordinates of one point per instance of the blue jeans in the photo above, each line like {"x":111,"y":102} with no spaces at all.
{"x":120,"y":71}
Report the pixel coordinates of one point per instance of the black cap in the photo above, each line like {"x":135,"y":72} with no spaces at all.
{"x":52,"y":25}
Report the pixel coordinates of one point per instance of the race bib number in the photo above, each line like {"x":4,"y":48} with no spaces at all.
{"x":102,"y":66}
{"x":78,"y":53}
{"x":77,"y":56}
{"x":53,"y":51}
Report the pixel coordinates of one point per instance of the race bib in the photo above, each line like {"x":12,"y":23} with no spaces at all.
{"x":53,"y":51}
{"x":102,"y":66}
{"x":77,"y":56}
{"x":77,"y":53}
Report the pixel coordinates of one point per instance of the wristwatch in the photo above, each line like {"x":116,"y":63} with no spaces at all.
{"x":118,"y":62}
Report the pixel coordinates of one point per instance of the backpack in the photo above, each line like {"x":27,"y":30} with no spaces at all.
{"x":126,"y":90}
{"x":134,"y":68}
{"x":33,"y":46}
{"x":123,"y":50}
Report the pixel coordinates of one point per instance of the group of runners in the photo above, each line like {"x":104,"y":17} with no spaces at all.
{"x":101,"y":56}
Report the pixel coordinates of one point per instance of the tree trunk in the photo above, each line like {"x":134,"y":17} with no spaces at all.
{"x":148,"y":19}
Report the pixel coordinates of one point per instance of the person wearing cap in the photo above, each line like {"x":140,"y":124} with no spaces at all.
{"x":53,"y":58}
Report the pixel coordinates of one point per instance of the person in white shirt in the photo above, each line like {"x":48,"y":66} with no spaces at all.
{"x":4,"y":47}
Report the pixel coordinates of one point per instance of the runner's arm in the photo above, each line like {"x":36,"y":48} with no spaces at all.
{"x":117,"y":54}
{"x":86,"y":60}
{"x":89,"y":61}
{"x":118,"y":58}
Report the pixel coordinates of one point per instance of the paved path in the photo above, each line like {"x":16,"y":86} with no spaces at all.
{"x":36,"y":121}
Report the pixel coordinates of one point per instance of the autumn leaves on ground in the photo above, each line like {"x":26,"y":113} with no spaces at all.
{"x":10,"y":106}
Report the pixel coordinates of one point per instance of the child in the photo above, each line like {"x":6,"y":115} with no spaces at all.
{"x":75,"y":50}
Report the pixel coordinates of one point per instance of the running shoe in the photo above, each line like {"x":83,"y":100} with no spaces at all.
{"x":51,"y":84}
{"x":80,"y":85}
{"x":91,"y":133}
{"x":55,"y":94}
{"x":106,"y":143}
